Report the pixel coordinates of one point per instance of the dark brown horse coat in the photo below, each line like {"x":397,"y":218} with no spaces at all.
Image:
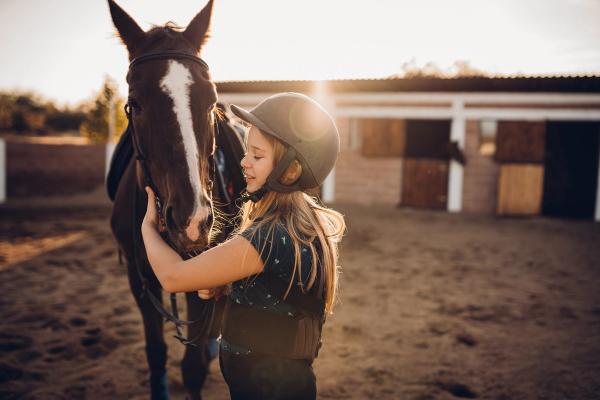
{"x":155,"y":88}
{"x":128,"y":212}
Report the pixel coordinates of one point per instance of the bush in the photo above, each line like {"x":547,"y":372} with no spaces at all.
{"x":65,"y":120}
{"x":95,"y":125}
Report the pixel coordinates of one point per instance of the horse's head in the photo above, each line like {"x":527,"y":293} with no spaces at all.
{"x":171,"y":102}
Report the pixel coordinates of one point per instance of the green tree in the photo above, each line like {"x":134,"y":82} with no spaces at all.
{"x":7,"y":108}
{"x":95,"y":125}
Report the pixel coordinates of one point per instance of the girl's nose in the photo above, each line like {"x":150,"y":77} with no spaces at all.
{"x":244,"y":162}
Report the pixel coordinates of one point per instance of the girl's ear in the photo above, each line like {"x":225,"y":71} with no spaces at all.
{"x":198,"y":29}
{"x":129,"y":31}
{"x":291,"y":174}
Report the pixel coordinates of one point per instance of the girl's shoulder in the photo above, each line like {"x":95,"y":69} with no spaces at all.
{"x":275,"y":237}
{"x":271,"y":233}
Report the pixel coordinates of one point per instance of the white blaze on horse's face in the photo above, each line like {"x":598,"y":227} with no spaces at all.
{"x":176,"y":84}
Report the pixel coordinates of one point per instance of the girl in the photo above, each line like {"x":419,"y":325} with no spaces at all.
{"x":282,"y":261}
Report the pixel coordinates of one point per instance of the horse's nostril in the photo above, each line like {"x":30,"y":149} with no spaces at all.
{"x":170,"y":219}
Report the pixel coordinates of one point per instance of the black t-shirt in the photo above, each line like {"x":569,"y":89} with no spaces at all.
{"x":277,"y":253}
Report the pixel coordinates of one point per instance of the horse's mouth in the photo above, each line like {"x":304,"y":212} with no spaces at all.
{"x":194,"y":250}
{"x":182,"y":244}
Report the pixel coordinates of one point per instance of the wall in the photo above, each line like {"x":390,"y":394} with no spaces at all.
{"x":362,"y":180}
{"x":36,"y":169}
{"x":480,"y":184}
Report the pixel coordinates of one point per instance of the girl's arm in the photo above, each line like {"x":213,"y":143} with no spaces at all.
{"x":232,"y":260}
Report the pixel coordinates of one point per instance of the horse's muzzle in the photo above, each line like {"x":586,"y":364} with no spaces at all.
{"x":199,"y":225}
{"x":195,"y":234}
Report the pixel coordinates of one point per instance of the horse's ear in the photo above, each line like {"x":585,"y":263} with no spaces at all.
{"x":198,"y":28}
{"x":129,"y":31}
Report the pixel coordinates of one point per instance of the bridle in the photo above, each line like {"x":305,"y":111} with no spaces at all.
{"x":129,"y":110}
{"x":162,"y":227}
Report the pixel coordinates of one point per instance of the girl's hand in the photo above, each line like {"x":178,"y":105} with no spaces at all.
{"x":221,"y":291}
{"x":206,"y":294}
{"x":217,"y":292}
{"x":151,"y":217}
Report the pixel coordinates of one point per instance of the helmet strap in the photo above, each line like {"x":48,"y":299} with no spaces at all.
{"x":272,"y":182}
{"x":273,"y":178}
{"x":254,"y":196}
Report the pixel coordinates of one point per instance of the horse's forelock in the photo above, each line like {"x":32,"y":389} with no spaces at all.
{"x":168,"y":37}
{"x":170,"y":26}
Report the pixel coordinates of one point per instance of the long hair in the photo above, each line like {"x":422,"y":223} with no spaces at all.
{"x":306,"y":221}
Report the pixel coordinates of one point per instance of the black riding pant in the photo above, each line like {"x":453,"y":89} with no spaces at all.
{"x":262,"y":377}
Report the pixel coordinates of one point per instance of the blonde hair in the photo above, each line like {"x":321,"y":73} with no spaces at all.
{"x":305,"y":220}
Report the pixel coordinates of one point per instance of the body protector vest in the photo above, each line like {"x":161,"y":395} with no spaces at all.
{"x":258,"y":319}
{"x":293,"y":334}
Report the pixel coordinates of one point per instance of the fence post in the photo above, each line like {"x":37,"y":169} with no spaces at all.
{"x":456,"y":173}
{"x":322,"y":94}
{"x":2,"y":171}
{"x":110,"y":149}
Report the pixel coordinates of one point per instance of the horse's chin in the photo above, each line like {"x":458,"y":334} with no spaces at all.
{"x":196,"y":249}
{"x":184,"y":245}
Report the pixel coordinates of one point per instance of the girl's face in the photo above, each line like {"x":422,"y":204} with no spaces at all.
{"x":259,"y":160}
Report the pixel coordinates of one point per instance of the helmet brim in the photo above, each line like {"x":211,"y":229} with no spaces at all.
{"x":253,"y":120}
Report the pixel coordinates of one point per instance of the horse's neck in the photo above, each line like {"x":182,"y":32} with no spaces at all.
{"x":128,"y":209}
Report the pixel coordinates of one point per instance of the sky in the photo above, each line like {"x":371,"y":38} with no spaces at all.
{"x":64,"y":49}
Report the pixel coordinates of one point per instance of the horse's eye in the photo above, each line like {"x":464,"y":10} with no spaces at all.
{"x":134,"y":105}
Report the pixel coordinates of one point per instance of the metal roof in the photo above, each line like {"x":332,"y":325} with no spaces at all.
{"x":515,"y":83}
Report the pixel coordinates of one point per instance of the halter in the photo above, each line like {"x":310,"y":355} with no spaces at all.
{"x":167,"y":55}
{"x":162,"y":227}
{"x":170,"y":55}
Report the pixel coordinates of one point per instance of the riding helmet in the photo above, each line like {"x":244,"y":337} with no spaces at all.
{"x":307,"y":130}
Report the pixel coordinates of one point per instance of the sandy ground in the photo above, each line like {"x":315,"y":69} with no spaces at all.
{"x":432,"y":306}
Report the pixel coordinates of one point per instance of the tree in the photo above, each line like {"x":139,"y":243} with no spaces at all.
{"x":459,"y":69}
{"x":95,"y":125}
{"x":464,"y":69}
{"x":65,"y":120}
{"x":22,"y":112}
{"x":7,"y":108}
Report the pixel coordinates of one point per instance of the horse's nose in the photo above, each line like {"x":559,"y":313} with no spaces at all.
{"x":199,"y":224}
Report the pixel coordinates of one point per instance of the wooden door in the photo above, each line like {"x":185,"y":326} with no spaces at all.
{"x":521,"y":142}
{"x":520,"y":150}
{"x":571,"y":169}
{"x":382,"y":137}
{"x":425,"y":166}
{"x":520,"y":189}
{"x":427,"y":138}
{"x":424,"y":183}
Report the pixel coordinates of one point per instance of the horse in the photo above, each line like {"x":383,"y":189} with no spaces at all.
{"x":179,"y":151}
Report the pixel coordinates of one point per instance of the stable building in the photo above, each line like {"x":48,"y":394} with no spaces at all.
{"x":497,"y":145}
